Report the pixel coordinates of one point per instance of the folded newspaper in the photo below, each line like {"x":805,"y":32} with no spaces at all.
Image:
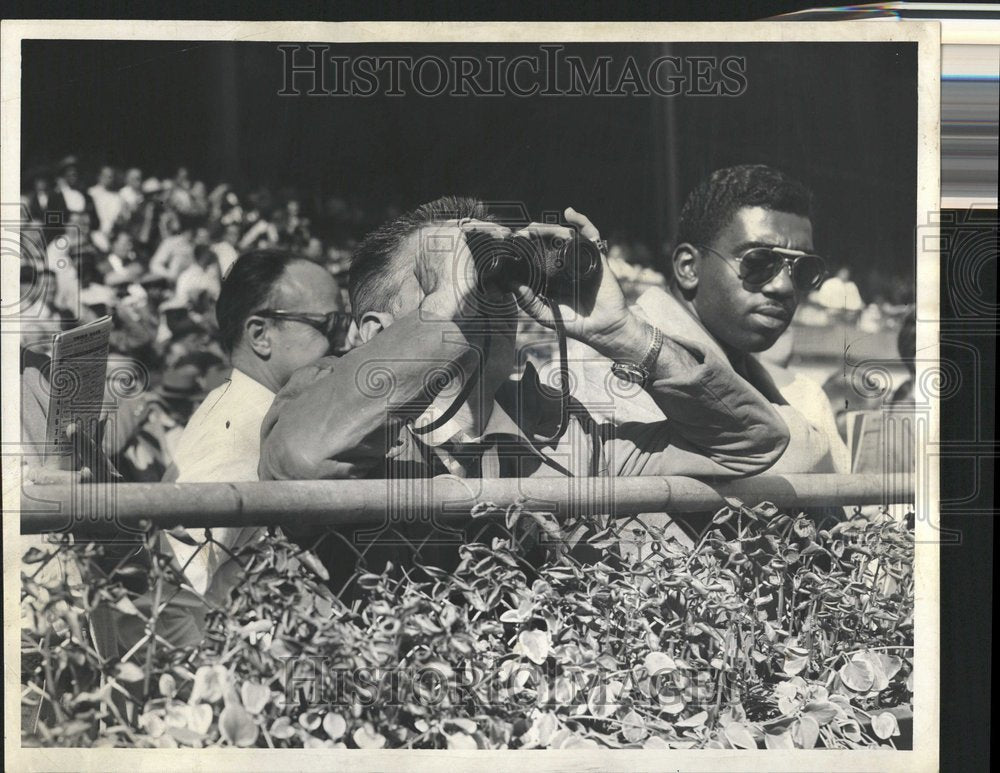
{"x":76,"y":379}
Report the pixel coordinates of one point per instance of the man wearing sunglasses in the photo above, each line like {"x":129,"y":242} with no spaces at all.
{"x":744,"y":261}
{"x":277,"y":312}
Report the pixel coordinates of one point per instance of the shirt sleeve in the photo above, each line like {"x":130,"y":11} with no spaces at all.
{"x":718,"y":424}
{"x":338,"y":417}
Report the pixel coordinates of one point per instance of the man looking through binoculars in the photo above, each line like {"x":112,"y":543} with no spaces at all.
{"x":431,"y":333}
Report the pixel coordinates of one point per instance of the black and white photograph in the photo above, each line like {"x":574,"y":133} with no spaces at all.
{"x":469,"y":388}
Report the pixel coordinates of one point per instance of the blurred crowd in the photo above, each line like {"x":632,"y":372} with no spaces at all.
{"x":151,"y":253}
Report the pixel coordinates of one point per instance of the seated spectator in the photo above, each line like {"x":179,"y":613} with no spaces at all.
{"x":68,"y":186}
{"x":107,"y":202}
{"x":739,"y":301}
{"x":131,"y":193}
{"x":142,"y":436}
{"x":225,"y":247}
{"x":176,"y":252}
{"x":121,"y":263}
{"x":273,"y":314}
{"x":44,"y":204}
{"x":199,"y":280}
{"x":40,"y":318}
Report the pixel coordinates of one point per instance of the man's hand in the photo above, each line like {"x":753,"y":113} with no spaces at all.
{"x":50,"y":472}
{"x":445,"y":269}
{"x":603,"y":321}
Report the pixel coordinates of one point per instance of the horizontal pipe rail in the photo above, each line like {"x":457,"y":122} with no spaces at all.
{"x":93,"y":508}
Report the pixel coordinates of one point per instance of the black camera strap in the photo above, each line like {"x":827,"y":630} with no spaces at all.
{"x":462,"y":396}
{"x":473,"y":380}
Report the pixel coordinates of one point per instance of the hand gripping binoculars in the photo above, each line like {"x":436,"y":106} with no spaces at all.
{"x":557,"y":270}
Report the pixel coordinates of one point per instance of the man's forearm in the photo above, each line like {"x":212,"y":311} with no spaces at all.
{"x":333,"y":419}
{"x":706,"y":401}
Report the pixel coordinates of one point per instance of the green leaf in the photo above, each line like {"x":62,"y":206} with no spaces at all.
{"x":461,"y":741}
{"x":200,"y":718}
{"x":796,"y":660}
{"x":33,"y":555}
{"x":671,"y":701}
{"x":822,"y":711}
{"x":167,"y":686}
{"x":282,"y":728}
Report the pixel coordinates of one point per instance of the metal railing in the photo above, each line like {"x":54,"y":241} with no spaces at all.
{"x":84,"y":509}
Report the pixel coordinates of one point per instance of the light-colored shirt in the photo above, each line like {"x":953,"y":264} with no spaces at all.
{"x":59,"y":260}
{"x":221,"y":443}
{"x":174,"y":254}
{"x":108,"y":205}
{"x":195,"y":280}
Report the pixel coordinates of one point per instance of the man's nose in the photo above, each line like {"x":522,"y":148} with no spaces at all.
{"x":782,"y":283}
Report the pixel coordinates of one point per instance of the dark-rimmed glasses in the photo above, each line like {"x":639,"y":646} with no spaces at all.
{"x":759,"y":265}
{"x":334,"y":324}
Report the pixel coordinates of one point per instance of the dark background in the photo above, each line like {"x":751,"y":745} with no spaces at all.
{"x":840,"y":117}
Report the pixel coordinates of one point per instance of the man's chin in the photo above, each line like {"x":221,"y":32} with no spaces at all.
{"x":760,"y":341}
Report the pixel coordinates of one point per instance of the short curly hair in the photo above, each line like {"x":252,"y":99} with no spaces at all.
{"x":710,"y":207}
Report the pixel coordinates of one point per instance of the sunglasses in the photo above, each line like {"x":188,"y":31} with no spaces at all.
{"x":759,"y":265}
{"x":334,"y":325}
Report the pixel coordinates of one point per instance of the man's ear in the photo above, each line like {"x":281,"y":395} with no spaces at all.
{"x":257,"y":334}
{"x":373,"y":323}
{"x":684,"y":263}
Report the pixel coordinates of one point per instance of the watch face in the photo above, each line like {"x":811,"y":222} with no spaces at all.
{"x":629,"y":372}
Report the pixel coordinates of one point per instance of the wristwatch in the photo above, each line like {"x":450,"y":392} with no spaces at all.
{"x":638,"y":372}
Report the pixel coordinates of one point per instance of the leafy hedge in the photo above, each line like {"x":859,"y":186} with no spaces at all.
{"x":769,"y":632}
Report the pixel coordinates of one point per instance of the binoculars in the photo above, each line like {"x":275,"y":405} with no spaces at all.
{"x":556,"y":271}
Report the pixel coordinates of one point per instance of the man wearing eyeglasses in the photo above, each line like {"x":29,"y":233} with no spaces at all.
{"x":277,"y":312}
{"x":744,"y":261}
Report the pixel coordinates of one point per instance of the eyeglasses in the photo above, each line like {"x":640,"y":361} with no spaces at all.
{"x":334,"y":325}
{"x":759,"y":265}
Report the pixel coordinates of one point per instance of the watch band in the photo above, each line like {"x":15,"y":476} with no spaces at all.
{"x":638,"y":372}
{"x":653,"y":352}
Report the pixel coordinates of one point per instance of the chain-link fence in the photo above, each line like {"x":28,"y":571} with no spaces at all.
{"x":508,"y":628}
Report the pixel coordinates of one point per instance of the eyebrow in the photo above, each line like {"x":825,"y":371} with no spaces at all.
{"x":751,"y":245}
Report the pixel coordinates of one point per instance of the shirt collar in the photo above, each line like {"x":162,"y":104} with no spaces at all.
{"x":249,"y":385}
